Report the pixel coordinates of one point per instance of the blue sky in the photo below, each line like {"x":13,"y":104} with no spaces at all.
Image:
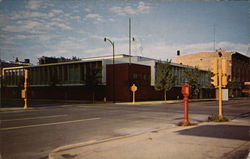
{"x":35,"y":28}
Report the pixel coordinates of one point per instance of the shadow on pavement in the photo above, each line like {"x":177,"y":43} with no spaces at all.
{"x":236,"y":132}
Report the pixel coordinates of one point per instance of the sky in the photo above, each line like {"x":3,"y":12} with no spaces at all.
{"x":36,"y":28}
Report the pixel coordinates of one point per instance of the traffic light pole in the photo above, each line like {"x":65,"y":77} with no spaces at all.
{"x":25,"y":89}
{"x":219,"y":80}
{"x":220,"y":90}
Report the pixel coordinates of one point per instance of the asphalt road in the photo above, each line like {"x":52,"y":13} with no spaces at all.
{"x":32,"y":134}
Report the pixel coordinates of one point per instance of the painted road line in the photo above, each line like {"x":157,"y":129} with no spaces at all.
{"x":48,"y":124}
{"x":41,"y":117}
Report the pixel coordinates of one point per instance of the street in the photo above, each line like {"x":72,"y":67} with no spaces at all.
{"x":33,"y":133}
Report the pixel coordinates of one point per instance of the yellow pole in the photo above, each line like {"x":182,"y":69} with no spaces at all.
{"x":133,"y":97}
{"x":25,"y":89}
{"x":220,"y":90}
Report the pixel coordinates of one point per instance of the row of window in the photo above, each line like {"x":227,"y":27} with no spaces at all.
{"x":179,"y":77}
{"x":52,"y":75}
{"x":77,"y":73}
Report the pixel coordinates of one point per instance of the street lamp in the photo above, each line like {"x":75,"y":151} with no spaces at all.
{"x":113,"y":45}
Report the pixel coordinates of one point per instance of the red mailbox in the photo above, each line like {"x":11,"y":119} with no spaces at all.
{"x":185,"y":89}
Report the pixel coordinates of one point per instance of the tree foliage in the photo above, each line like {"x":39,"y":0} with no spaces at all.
{"x":164,"y":78}
{"x":235,"y":85}
{"x":48,"y":60}
{"x":93,"y":79}
{"x":193,"y":76}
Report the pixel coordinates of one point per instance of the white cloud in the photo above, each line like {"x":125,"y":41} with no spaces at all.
{"x":229,"y":46}
{"x":87,"y":10}
{"x":27,"y":26}
{"x":57,"y":11}
{"x":34,"y":4}
{"x":163,"y":51}
{"x":97,"y":51}
{"x":92,"y":16}
{"x":128,"y":10}
{"x":35,"y":27}
{"x":58,"y":25}
{"x":66,"y":48}
{"x":117,"y":10}
{"x":27,"y":15}
{"x":93,"y":36}
{"x":142,"y":7}
{"x":21,"y":37}
{"x":78,"y":18}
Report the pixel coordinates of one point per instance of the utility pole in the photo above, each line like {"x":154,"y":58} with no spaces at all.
{"x":129,"y":32}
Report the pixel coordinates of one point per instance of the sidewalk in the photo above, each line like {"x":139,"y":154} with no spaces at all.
{"x":162,"y":101}
{"x":207,"y":141}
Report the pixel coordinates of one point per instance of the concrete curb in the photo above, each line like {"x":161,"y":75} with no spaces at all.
{"x":53,"y":155}
{"x":163,"y":102}
{"x":15,"y":109}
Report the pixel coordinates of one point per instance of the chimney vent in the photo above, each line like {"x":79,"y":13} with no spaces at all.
{"x":178,"y":53}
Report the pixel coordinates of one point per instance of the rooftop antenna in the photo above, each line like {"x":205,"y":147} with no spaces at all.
{"x":248,"y":49}
{"x":214,"y":36}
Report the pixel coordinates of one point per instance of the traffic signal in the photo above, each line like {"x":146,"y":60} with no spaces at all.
{"x":224,"y":66}
{"x":214,"y":77}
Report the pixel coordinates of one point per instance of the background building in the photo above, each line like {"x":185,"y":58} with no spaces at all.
{"x":238,"y":65}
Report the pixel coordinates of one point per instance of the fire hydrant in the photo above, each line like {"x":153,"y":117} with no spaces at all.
{"x":186,"y":92}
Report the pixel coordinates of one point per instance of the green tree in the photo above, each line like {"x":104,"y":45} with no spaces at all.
{"x":234,"y":85}
{"x":93,"y":79}
{"x":193,"y":76}
{"x":164,"y":78}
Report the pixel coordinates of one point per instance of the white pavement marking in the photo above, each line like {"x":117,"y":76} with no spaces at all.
{"x":41,"y":117}
{"x":48,"y":124}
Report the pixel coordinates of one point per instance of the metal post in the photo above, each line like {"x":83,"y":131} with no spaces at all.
{"x":133,"y":97}
{"x":113,"y":44}
{"x":25,"y":89}
{"x":129,"y":40}
{"x":220,"y":90}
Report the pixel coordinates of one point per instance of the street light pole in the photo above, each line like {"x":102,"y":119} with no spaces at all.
{"x":113,"y":45}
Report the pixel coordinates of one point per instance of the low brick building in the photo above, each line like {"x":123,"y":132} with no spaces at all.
{"x":71,"y":80}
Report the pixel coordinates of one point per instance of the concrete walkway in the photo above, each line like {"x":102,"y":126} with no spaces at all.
{"x":211,"y":140}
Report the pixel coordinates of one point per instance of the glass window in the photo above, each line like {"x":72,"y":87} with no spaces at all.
{"x":135,"y":76}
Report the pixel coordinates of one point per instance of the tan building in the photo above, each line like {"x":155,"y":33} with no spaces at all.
{"x":203,"y":60}
{"x":238,"y":68}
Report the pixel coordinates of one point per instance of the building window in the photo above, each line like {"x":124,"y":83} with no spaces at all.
{"x":135,"y":76}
